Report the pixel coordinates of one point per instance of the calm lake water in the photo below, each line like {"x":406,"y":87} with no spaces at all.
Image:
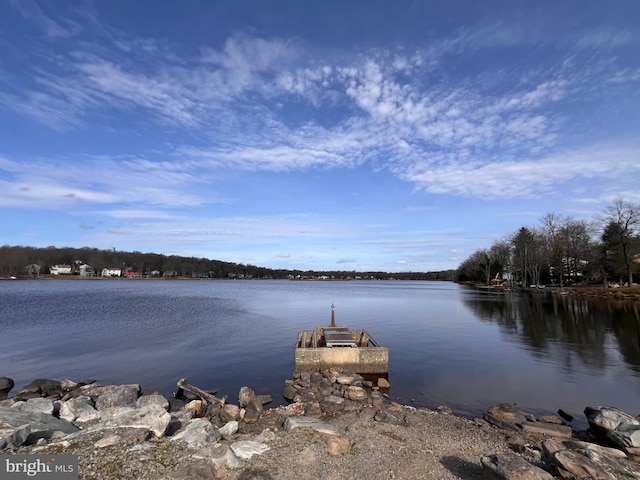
{"x":447,"y":344}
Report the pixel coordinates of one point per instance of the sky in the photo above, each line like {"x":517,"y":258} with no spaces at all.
{"x":358,"y":136}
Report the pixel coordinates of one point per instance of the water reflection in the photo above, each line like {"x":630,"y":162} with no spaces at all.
{"x":574,"y":332}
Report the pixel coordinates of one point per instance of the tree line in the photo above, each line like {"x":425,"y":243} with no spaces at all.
{"x":561,"y":250}
{"x":14,"y":261}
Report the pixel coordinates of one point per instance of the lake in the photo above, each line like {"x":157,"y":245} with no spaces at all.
{"x":448,"y":344}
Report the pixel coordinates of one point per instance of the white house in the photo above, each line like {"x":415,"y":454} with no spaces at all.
{"x":111,"y":272}
{"x":85,"y":270}
{"x":60,"y":270}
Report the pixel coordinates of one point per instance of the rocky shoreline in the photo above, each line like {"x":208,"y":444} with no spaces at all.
{"x":337,"y":425}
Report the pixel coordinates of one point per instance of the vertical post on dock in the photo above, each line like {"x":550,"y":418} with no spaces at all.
{"x":333,"y":315}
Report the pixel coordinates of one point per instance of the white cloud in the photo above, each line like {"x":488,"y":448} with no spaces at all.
{"x":31,"y":11}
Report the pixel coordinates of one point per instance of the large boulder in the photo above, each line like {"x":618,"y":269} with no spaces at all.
{"x":575,"y":465}
{"x":332,"y":404}
{"x":505,"y":415}
{"x":13,"y":437}
{"x":200,"y":433}
{"x":551,"y":429}
{"x":41,"y":425}
{"x":606,"y":419}
{"x":78,"y":410}
{"x":6,"y":384}
{"x":120,"y":396}
{"x":510,"y":466}
{"x":150,"y":417}
{"x":40,"y":387}
{"x":153,"y":398}
{"x":38,"y":404}
{"x":626,"y":436}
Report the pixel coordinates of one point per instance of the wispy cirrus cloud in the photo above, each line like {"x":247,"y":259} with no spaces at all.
{"x":267,"y":104}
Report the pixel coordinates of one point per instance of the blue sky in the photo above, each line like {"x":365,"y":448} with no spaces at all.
{"x":393,"y":136}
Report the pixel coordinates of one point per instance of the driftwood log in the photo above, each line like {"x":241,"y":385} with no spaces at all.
{"x":201,"y":394}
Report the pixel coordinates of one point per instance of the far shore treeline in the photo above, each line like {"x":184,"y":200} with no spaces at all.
{"x":558,"y":251}
{"x":564,"y":251}
{"x":18,"y":261}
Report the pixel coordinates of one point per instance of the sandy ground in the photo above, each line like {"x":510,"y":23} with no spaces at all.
{"x":425,"y":446}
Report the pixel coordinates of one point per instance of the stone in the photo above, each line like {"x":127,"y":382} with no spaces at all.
{"x":42,"y":405}
{"x":530,"y":452}
{"x":338,"y":445}
{"x":78,"y":410}
{"x":204,"y":470}
{"x":13,"y":437}
{"x":355,"y":393}
{"x":107,"y":441}
{"x":289,"y":392}
{"x":510,"y":466}
{"x":345,"y":379}
{"x":551,"y":429}
{"x":395,"y":407}
{"x":444,"y":409}
{"x":313,"y":409}
{"x":264,"y":399}
{"x":199,"y":434}
{"x":551,"y":446}
{"x":6,"y":384}
{"x":245,"y":449}
{"x":42,"y":425}
{"x":579,"y":466}
{"x":507,"y":413}
{"x":153,"y":398}
{"x":223,"y":455}
{"x":498,"y":422}
{"x":41,"y":387}
{"x":291,"y":423}
{"x":253,"y":411}
{"x":229,"y":412}
{"x":178,"y":421}
{"x":625,"y":436}
{"x":606,"y":419}
{"x":245,"y":396}
{"x":391,"y":418}
{"x":632,"y":451}
{"x":198,"y":407}
{"x":566,"y":416}
{"x":94,"y":390}
{"x":377,"y":400}
{"x":383,"y":383}
{"x":551,"y":419}
{"x":123,"y":396}
{"x":579,"y":445}
{"x":267,"y":435}
{"x":229,"y":429}
{"x":151,"y":417}
{"x":251,"y":404}
{"x":67,"y":384}
{"x":332,"y":404}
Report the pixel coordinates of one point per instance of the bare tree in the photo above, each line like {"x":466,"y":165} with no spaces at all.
{"x":622,"y":226}
{"x":551,"y":225}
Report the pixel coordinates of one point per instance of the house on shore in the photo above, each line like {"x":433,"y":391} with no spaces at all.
{"x":85,"y":270}
{"x":111,"y":272}
{"x":132,"y":274}
{"x":60,"y":270}
{"x":33,"y":270}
